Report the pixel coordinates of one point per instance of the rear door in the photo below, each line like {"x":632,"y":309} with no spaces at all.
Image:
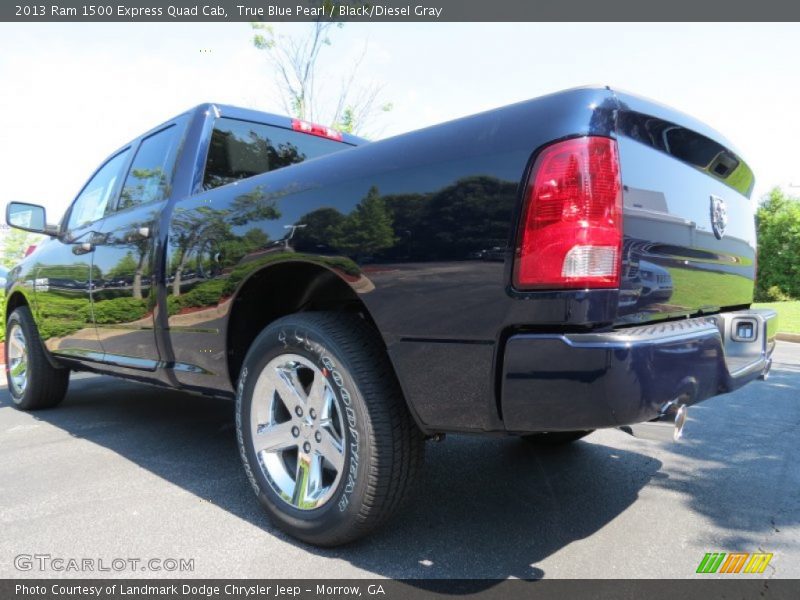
{"x":124,"y":299}
{"x":690,"y":241}
{"x":228,"y":222}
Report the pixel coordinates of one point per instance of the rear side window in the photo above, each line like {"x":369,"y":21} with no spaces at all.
{"x":242,"y":149}
{"x":150,"y":175}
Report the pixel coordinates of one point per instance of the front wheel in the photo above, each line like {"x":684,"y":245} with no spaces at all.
{"x":327,"y":441}
{"x":33,"y":382}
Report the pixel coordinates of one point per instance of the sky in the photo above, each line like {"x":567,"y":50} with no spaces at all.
{"x":70,"y":94}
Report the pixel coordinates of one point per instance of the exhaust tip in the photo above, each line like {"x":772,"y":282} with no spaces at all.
{"x":765,"y":373}
{"x":680,"y":421}
{"x":666,"y":428}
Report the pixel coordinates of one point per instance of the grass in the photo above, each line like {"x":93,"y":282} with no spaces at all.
{"x":702,"y":288}
{"x":788,"y":314}
{"x":696,"y":288}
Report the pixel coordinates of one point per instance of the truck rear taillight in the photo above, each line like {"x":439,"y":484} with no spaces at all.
{"x":571,"y":235}
{"x":315,"y":129}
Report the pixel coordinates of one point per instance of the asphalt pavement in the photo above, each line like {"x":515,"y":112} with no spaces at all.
{"x":126,"y":471}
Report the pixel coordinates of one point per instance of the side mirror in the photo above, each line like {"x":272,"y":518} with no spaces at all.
{"x":28,"y":217}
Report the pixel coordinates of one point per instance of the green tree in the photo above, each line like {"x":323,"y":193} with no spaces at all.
{"x":15,"y":245}
{"x":453,"y":222}
{"x":778,"y":220}
{"x":317,"y":229}
{"x":126,"y":268}
{"x":140,"y":250}
{"x":198,"y":228}
{"x":255,"y":239}
{"x":368,"y":229}
{"x":294,"y":61}
{"x":232,"y":249}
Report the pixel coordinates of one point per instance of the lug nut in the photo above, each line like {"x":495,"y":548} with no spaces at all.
{"x":312,"y":413}
{"x":318,"y":436}
{"x":306,"y":447}
{"x":295,"y":431}
{"x":298,"y":411}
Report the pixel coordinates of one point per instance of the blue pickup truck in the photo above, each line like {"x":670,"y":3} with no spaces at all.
{"x":579,"y":261}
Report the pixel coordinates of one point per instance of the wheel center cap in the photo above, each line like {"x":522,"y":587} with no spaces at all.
{"x":308,"y":429}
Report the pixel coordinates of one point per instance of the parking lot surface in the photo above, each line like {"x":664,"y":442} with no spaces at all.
{"x":122,"y":470}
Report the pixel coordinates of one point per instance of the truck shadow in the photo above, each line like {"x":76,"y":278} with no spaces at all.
{"x":490,"y":508}
{"x":495,"y":508}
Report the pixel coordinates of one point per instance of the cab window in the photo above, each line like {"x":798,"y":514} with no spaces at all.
{"x":242,"y":149}
{"x":91,"y":203}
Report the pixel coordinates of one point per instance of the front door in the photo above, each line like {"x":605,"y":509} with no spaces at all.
{"x":63,"y":276}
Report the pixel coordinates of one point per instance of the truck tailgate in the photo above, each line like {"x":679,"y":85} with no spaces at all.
{"x":690,"y":242}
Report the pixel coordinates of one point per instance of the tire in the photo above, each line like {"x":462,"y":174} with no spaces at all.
{"x":338,"y":448}
{"x":555,"y":438}
{"x":33,"y":382}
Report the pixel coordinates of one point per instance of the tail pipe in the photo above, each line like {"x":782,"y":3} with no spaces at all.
{"x":667,"y":427}
{"x":765,"y":373}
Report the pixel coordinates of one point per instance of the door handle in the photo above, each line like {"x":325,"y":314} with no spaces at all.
{"x":82,"y":248}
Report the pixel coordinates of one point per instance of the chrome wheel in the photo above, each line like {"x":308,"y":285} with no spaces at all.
{"x":17,"y":359}
{"x":297,"y":431}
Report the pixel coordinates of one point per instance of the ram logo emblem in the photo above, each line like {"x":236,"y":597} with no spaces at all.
{"x":719,"y":216}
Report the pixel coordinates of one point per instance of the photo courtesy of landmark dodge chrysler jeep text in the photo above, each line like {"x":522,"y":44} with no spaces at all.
{"x":579,"y":261}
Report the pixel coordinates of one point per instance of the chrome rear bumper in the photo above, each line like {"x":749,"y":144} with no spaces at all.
{"x":559,"y":382}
